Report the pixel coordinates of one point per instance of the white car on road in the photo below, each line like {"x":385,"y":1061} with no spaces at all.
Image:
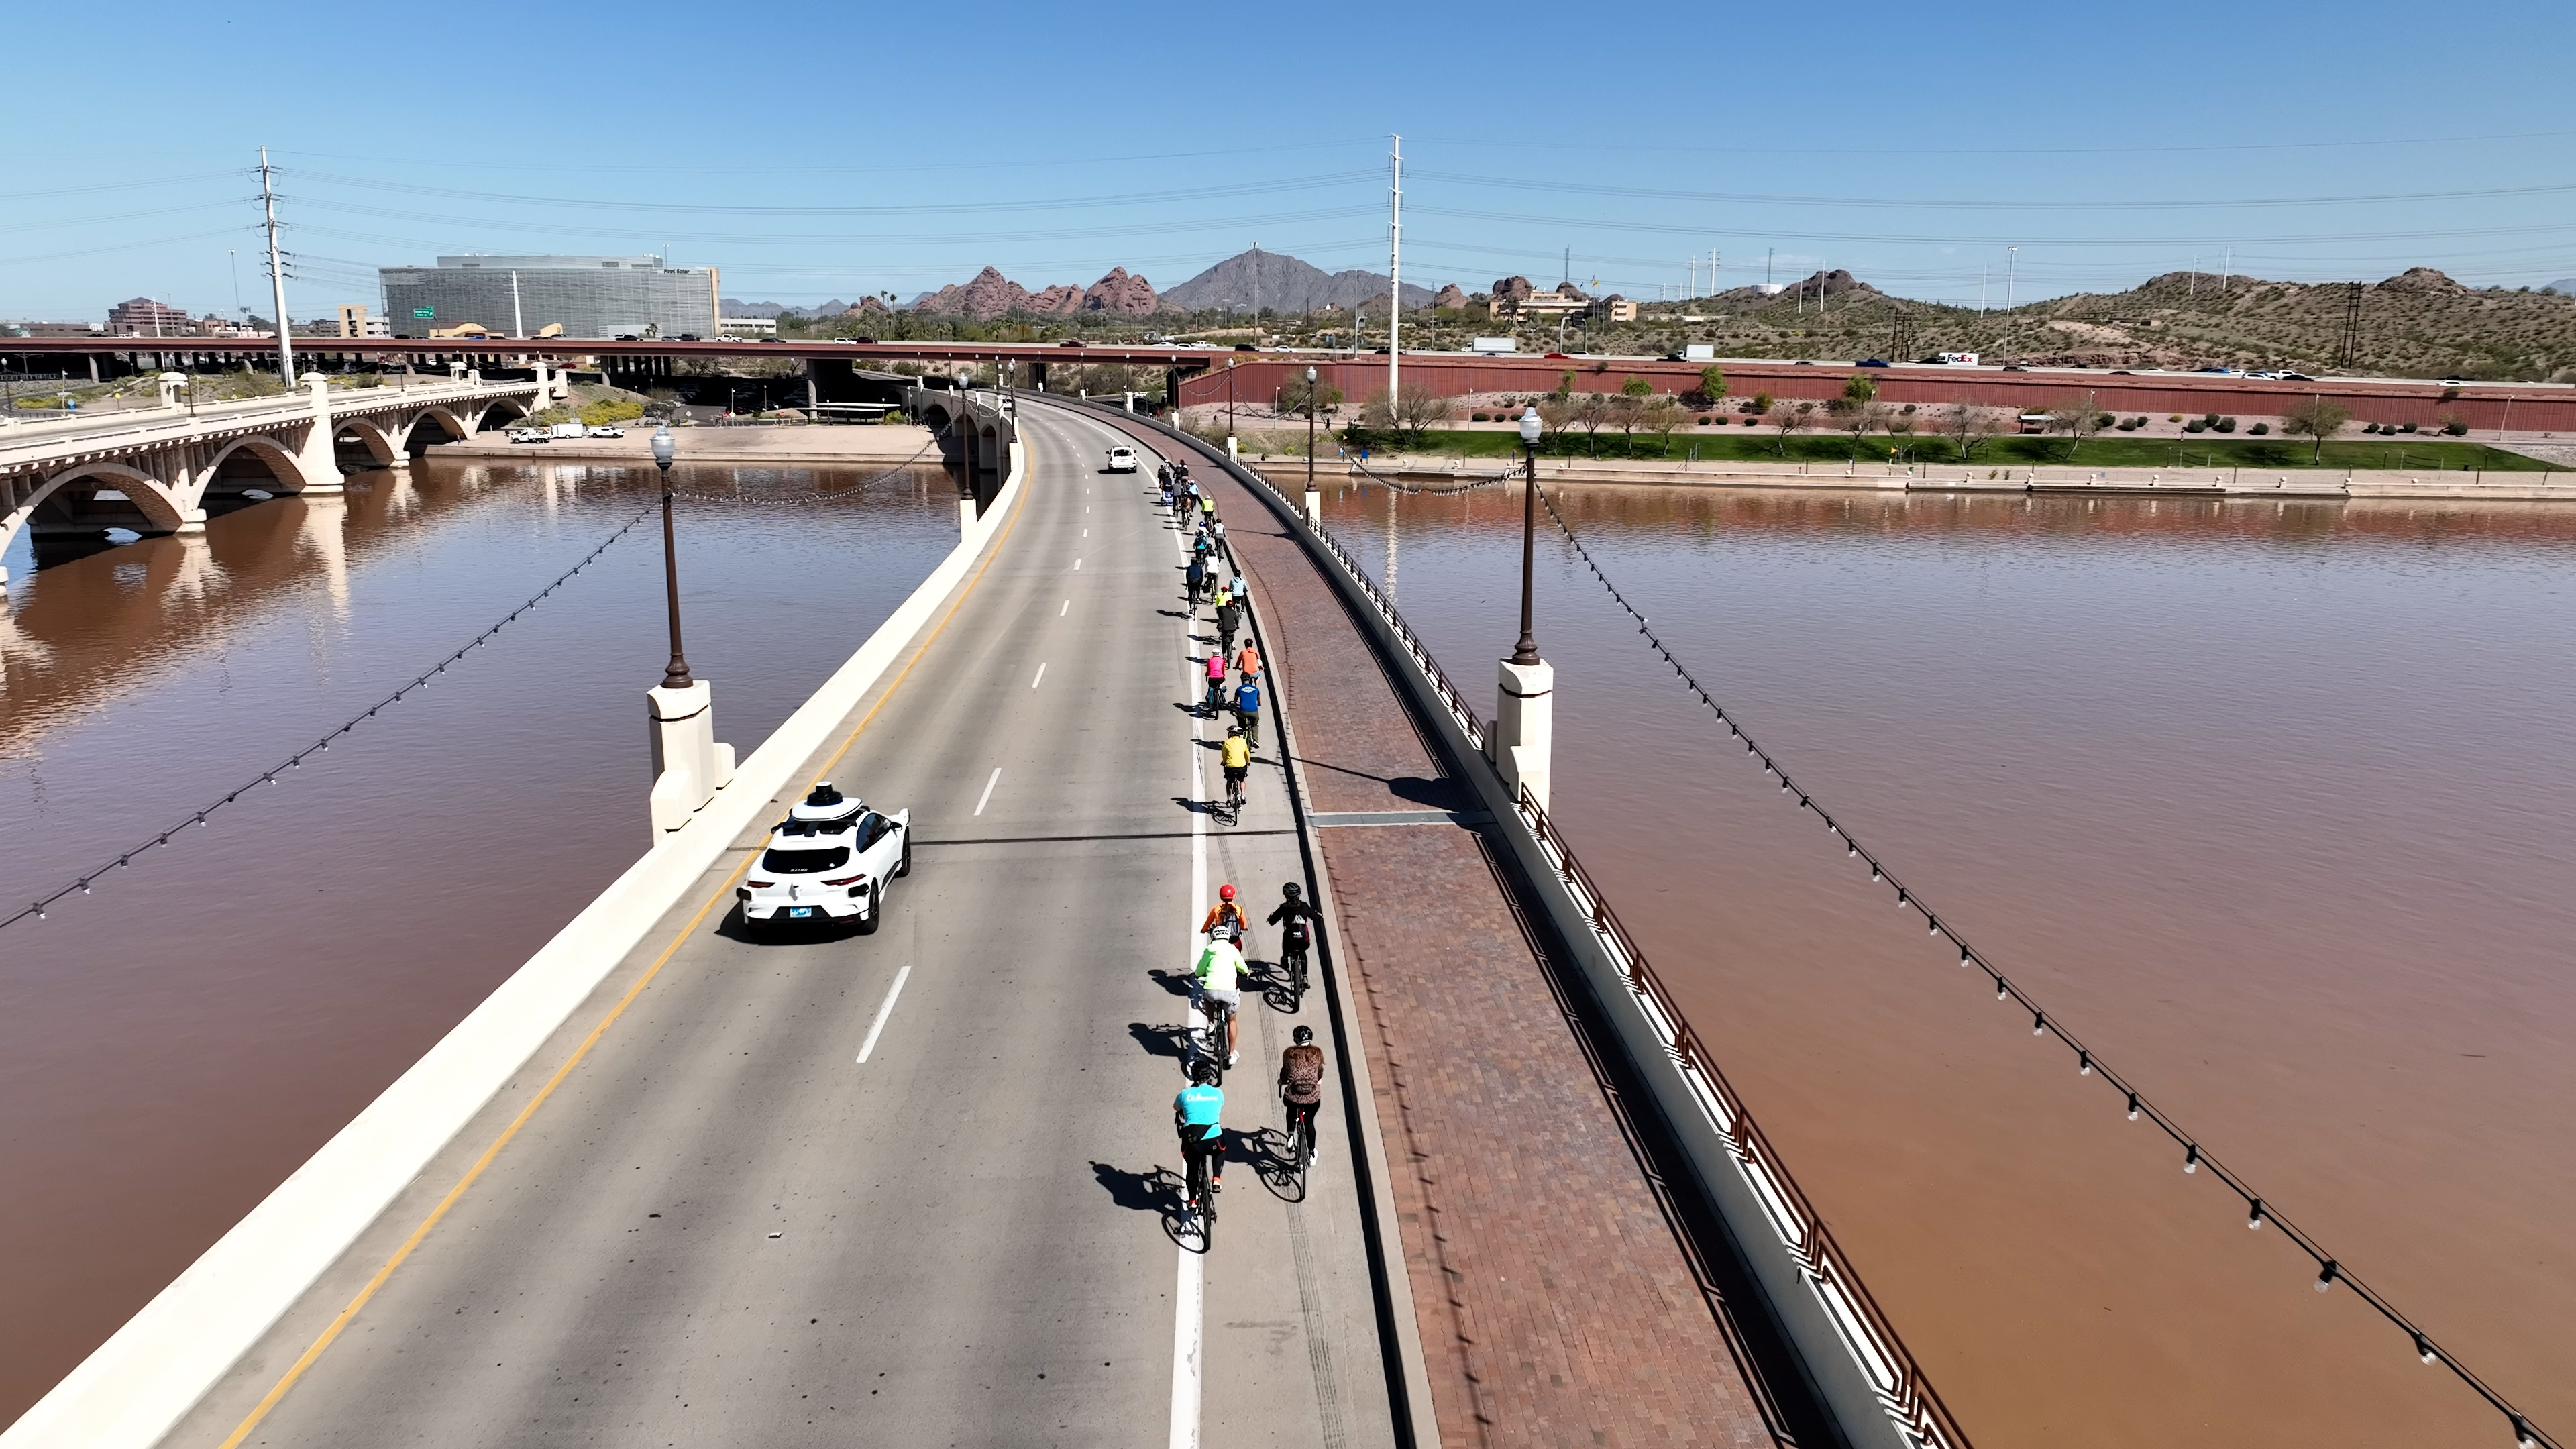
{"x":1122,"y":459}
{"x":608,"y":430}
{"x":829,"y":860}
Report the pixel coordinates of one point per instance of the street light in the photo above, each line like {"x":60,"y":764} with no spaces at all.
{"x":1314,"y":502}
{"x":1526,"y":652}
{"x":676,"y":676}
{"x":1229,"y":403}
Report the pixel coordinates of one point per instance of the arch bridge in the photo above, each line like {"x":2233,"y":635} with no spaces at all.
{"x":159,"y":470}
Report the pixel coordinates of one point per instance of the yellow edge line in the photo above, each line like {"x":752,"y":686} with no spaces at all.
{"x":456,"y":1193}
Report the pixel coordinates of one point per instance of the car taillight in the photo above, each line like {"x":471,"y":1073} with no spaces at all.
{"x":846,"y":880}
{"x":760,"y":885}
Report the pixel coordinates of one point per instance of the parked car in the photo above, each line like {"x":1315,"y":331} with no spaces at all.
{"x":1070,"y":342}
{"x":2296,"y":377}
{"x":1871,"y":362}
{"x":609,"y":430}
{"x":1559,"y":357}
{"x":1245,"y":347}
{"x":1122,"y":459}
{"x":829,"y":860}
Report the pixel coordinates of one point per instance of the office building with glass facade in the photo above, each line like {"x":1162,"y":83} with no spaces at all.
{"x":524,"y":296}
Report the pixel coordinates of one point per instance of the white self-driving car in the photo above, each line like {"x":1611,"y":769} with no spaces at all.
{"x":1122,"y":459}
{"x":829,"y":860}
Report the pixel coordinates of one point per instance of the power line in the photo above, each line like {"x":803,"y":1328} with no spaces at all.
{"x":35,"y":910}
{"x":1556,"y":186}
{"x":1068,"y":203}
{"x":2330,"y":1270}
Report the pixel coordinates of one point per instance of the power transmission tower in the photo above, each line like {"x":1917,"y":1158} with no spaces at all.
{"x":2348,"y":351}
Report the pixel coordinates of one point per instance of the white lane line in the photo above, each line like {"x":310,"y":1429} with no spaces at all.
{"x":1077,"y":565}
{"x":1185,"y":1353}
{"x":1068,"y":605}
{"x":1086,"y":533}
{"x":987,"y":797}
{"x":1041,"y":675}
{"x":1189,"y":1299}
{"x":877,"y":1027}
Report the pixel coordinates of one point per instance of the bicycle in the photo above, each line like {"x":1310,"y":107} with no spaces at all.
{"x":1200,"y":1203}
{"x":1299,"y":1135}
{"x":1233,"y":799}
{"x":1216,"y":1014}
{"x":1292,"y":957}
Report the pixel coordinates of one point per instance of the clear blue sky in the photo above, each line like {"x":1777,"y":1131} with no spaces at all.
{"x":825,"y":150}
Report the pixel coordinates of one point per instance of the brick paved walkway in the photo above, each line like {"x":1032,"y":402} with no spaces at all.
{"x":1556,"y":1304}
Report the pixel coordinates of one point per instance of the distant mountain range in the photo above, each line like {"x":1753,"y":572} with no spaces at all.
{"x":1258,"y":279}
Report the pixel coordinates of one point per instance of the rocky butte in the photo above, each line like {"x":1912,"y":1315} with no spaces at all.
{"x":990,"y":295}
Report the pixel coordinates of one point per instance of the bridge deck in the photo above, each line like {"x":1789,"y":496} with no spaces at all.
{"x":721,"y":1228}
{"x":1560,"y":1299}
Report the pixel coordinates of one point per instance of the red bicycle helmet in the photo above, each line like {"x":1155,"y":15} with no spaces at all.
{"x":1225,"y":892}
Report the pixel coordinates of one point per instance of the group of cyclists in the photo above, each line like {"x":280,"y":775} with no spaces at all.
{"x":1233,"y":685}
{"x":1233,"y":677}
{"x":1216,"y":993}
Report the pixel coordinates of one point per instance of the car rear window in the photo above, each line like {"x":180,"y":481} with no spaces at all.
{"x":805,"y":862}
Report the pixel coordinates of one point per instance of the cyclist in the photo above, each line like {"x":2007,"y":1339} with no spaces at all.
{"x":1229,"y":617}
{"x":1220,"y":970}
{"x":1247,"y":711}
{"x":1215,"y":686}
{"x":1247,"y":660}
{"x":1238,"y":764}
{"x":1198,"y":1115}
{"x":1197,"y":577}
{"x":1242,"y":590}
{"x":1301,"y":1090}
{"x":1227,"y":914}
{"x":1297,"y":921}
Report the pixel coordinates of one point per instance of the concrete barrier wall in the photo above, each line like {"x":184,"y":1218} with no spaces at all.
{"x":1858,"y":1372}
{"x":134,"y":1387}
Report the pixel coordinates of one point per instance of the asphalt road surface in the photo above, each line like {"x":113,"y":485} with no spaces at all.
{"x":730,"y":1225}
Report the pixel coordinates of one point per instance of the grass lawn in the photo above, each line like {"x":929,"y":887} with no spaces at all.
{"x":2197,"y":451}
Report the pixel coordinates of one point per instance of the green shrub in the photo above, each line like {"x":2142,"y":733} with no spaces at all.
{"x":2195,"y":426}
{"x":2259,"y":429}
{"x":2457,"y":430}
{"x":2104,"y":420}
{"x":610,"y":410}
{"x":2226,"y":425}
{"x":2370,"y":427}
{"x":1760,"y":404}
{"x":1479,"y":417}
{"x":2405,"y":427}
{"x":2209,"y":420}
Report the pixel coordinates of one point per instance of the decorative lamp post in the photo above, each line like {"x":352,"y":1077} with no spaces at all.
{"x":676,"y":675}
{"x":1526,"y":652}
{"x":1523,"y":734}
{"x":689,"y":767}
{"x":1314,"y":500}
{"x":1230,"y":451}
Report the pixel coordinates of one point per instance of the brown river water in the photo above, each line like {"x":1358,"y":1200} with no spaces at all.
{"x":2273,"y":804}
{"x":173,"y":1045}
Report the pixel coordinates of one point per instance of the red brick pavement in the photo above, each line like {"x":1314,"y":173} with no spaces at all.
{"x":1555,"y":1302}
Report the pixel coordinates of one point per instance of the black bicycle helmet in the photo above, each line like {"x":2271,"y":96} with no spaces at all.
{"x":1292,"y":890}
{"x":1204,"y":1073}
{"x":1303,"y":1036}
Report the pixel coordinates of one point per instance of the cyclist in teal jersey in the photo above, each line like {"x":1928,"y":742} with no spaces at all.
{"x":1197,"y":1114}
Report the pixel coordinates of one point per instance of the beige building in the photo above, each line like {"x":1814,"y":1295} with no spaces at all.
{"x":1613,"y":308}
{"x":354,"y":322}
{"x":1536,"y":305}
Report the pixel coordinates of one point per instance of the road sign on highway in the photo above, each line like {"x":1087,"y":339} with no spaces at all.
{"x":424,"y":313}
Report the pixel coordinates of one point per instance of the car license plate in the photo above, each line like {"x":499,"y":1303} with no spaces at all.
{"x":800,"y":912}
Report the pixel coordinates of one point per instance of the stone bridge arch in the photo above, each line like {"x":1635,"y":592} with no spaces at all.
{"x":65,"y":508}
{"x":429,"y":426}
{"x":382,"y":448}
{"x":258,"y":462}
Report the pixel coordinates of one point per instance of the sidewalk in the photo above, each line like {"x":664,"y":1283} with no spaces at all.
{"x":1556,"y":1301}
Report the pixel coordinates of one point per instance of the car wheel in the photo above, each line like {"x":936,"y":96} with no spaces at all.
{"x":903,"y":865}
{"x":874,"y":913}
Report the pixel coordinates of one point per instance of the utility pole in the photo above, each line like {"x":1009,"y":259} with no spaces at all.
{"x":1984,"y":275}
{"x":1766,"y":268}
{"x":2225,"y":268}
{"x":1394,"y":265}
{"x":277,"y":276}
{"x":2012,"y":270}
{"x":518,"y":323}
